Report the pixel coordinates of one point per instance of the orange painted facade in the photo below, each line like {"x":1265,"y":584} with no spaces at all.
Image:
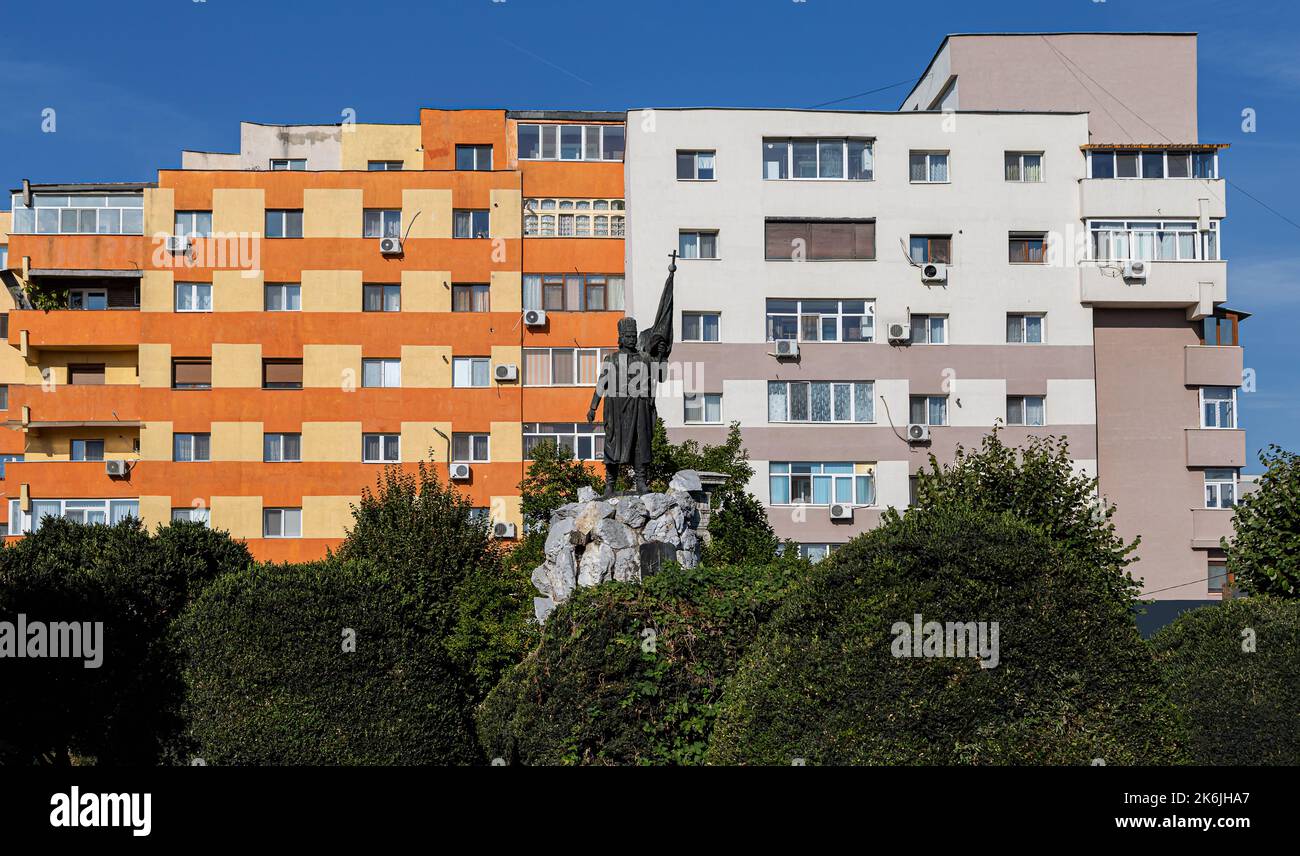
{"x":137,"y":399}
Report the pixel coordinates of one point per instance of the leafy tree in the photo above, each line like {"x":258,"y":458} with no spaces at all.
{"x":553,"y":479}
{"x":1264,"y":553}
{"x":1073,"y":680}
{"x":126,"y":711}
{"x":1233,"y":669}
{"x":321,"y":663}
{"x":631,"y":674}
{"x":740,"y":533}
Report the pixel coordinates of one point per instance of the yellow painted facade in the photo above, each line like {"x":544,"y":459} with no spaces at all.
{"x":331,"y":441}
{"x":362,"y":143}
{"x":235,"y":441}
{"x":426,"y":291}
{"x":331,"y":291}
{"x":327,"y":516}
{"x":237,"y":211}
{"x":426,"y":213}
{"x":236,"y":366}
{"x":336,"y":366}
{"x":331,"y":213}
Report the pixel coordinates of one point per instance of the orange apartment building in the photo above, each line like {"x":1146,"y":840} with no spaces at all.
{"x":244,"y":342}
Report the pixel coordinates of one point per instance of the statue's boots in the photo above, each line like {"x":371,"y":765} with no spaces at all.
{"x":638,"y":482}
{"x":611,"y":480}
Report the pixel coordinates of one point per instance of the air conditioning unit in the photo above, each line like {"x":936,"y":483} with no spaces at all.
{"x":506,"y":372}
{"x":117,"y":469}
{"x":460,"y":472}
{"x":900,"y":331}
{"x":1136,"y":271}
{"x":535,"y":318}
{"x":918,"y":433}
{"x":503,"y":530}
{"x":390,"y":246}
{"x":787,"y":348}
{"x":178,"y":243}
{"x":933,"y":272}
{"x":840,"y":511}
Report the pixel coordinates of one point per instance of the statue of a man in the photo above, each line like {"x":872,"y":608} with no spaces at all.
{"x":626,"y":381}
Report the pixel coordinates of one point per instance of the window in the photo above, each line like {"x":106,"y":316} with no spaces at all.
{"x":77,"y":214}
{"x":697,"y":245}
{"x":284,"y":223}
{"x":191,"y":447}
{"x":381,"y":223}
{"x":806,"y":483}
{"x":1023,"y":166}
{"x":470,"y":223}
{"x":571,"y":142}
{"x":820,"y":401}
{"x":8,"y":459}
{"x":110,"y":511}
{"x":470,"y":298}
{"x":88,"y":298}
{"x":585,"y":441}
{"x":283,"y":297}
{"x":1221,"y":328}
{"x":1025,"y":329}
{"x":929,"y":329}
{"x":4,"y":256}
{"x":193,"y":297}
{"x":1153,"y":240}
{"x":931,"y":248}
{"x":700,"y":326}
{"x":574,"y":218}
{"x":928,"y":410}
{"x":1218,"y":407}
{"x":381,"y":373}
{"x":470,"y":371}
{"x":381,"y":448}
{"x":384,"y":165}
{"x":820,"y":240}
{"x":1153,"y":163}
{"x":192,"y":515}
{"x":86,"y":374}
{"x":86,"y":450}
{"x":573,"y":292}
{"x":1220,"y":488}
{"x":1025,"y":410}
{"x":821,"y":320}
{"x":4,"y":396}
{"x":281,"y":374}
{"x":190,"y":373}
{"x":927,"y":167}
{"x":470,"y":448}
{"x":818,"y":159}
{"x":703,"y":408}
{"x":1026,"y":248}
{"x":381,"y":298}
{"x":563,"y":366}
{"x":695,"y":165}
{"x":1218,"y":578}
{"x":282,"y":523}
{"x":474,"y":158}
{"x":289,"y":164}
{"x":281,"y":448}
{"x":814,"y":553}
{"x":194,"y":224}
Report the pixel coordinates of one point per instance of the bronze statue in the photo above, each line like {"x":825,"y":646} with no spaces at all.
{"x":626,"y":381}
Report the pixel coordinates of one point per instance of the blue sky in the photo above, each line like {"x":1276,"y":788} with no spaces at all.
{"x":134,"y":83}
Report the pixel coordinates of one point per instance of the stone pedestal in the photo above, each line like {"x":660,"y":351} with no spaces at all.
{"x":599,"y":539}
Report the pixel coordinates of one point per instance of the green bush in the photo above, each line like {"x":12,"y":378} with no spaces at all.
{"x":1264,"y":553}
{"x":631,"y":674}
{"x":127,"y":711}
{"x":1241,"y":707}
{"x":1074,"y":681}
{"x":269,"y":680}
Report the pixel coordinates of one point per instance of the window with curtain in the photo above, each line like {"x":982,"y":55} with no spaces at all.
{"x":1023,"y":166}
{"x":468,"y":448}
{"x":703,"y":408}
{"x":191,"y":447}
{"x":825,"y":159}
{"x":381,"y":448}
{"x":1218,"y":407}
{"x":573,"y":292}
{"x":928,"y":410}
{"x":1027,"y":248}
{"x":927,"y":167}
{"x":700,"y":326}
{"x":470,"y":298}
{"x":1024,"y":329}
{"x":470,"y":371}
{"x":381,"y":373}
{"x":931,"y":248}
{"x":821,"y":401}
{"x":1025,"y":410}
{"x":1220,"y":488}
{"x":382,"y":223}
{"x":811,"y":483}
{"x":281,"y":448}
{"x":381,"y":298}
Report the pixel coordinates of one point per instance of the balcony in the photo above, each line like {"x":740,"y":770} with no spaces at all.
{"x":1212,"y":365}
{"x":71,"y":406}
{"x":1157,"y":198}
{"x":1216,"y":447}
{"x":74,"y":253}
{"x":75,"y":330}
{"x":1209,"y":525}
{"x":1194,"y":286}
{"x":46,"y":479}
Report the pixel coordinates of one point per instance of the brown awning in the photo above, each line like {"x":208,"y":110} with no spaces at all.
{"x":1181,"y":147}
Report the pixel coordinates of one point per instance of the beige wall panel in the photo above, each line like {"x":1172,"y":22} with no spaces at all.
{"x":239,"y":515}
{"x":508,"y":509}
{"x":331,"y":441}
{"x":158,"y":291}
{"x":506,"y":355}
{"x":236,"y":366}
{"x":236,"y":441}
{"x":238,"y":210}
{"x":507,"y":442}
{"x":505,"y":219}
{"x":237,"y":291}
{"x":327,"y":516}
{"x":155,"y":511}
{"x":421,"y":441}
{"x":331,"y":291}
{"x":155,"y":365}
{"x":364,"y":143}
{"x":507,"y":290}
{"x":159,"y":211}
{"x":156,"y":441}
{"x":331,"y":213}
{"x":426,"y":291}
{"x":426,"y":366}
{"x":434,"y":208}
{"x":331,"y":366}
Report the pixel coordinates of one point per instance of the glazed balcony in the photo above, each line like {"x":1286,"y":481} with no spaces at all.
{"x":1193,"y":286}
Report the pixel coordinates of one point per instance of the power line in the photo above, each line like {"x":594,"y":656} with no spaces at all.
{"x":1060,"y":57}
{"x":868,"y":92}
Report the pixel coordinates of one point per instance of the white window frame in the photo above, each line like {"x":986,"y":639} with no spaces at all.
{"x":124,"y":207}
{"x":387,"y":217}
{"x":189,"y":439}
{"x":195,"y":289}
{"x":283,"y":215}
{"x":587,"y":217}
{"x":699,"y":403}
{"x":856,"y":405}
{"x":469,"y":363}
{"x":929,"y":409}
{"x":775,"y":473}
{"x":283,"y":514}
{"x":390,"y":372}
{"x":553,"y":130}
{"x":474,"y":234}
{"x":288,"y":164}
{"x":192,"y":230}
{"x":699,"y":319}
{"x":1202,"y":239}
{"x":695,"y":163}
{"x":1217,"y":410}
{"x":388,"y":443}
{"x":682,"y":234}
{"x":471,"y":458}
{"x":385,"y":165}
{"x":575,"y":433}
{"x":85,"y":451}
{"x":789,"y":143}
{"x":1024,"y":328}
{"x":868,"y":312}
{"x":24,"y":523}
{"x":929,"y":155}
{"x":283,"y":289}
{"x":1021,"y":403}
{"x":84,"y":294}
{"x":1020,"y":166}
{"x":1214,"y":488}
{"x":476,"y":148}
{"x":929,"y":329}
{"x":277,"y":441}
{"x":578,"y":353}
{"x":193,"y":514}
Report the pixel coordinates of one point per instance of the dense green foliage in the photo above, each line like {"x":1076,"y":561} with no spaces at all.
{"x":631,"y":674}
{"x":127,"y":711}
{"x":1073,"y":682}
{"x":1264,"y":554}
{"x":1241,"y":706}
{"x":270,"y":682}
